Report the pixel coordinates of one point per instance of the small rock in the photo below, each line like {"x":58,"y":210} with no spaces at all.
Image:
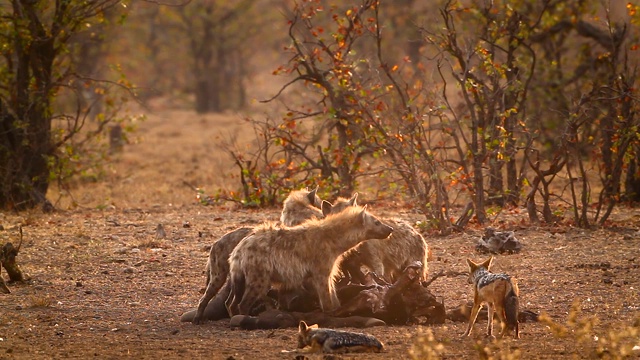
{"x":129,"y":270}
{"x":79,"y":283}
{"x":18,"y":307}
{"x":135,"y":250}
{"x":186,"y":224}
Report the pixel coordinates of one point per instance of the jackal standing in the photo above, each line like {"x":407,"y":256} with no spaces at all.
{"x":335,"y":341}
{"x":500,"y":293}
{"x":289,"y":257}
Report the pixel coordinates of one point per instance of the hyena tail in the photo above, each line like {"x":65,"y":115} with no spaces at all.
{"x":512,"y":307}
{"x":236,"y":293}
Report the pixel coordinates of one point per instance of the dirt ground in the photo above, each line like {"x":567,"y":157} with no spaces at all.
{"x":103,"y":286}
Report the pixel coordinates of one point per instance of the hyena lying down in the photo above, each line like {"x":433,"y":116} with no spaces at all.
{"x":289,"y":257}
{"x":298,"y":207}
{"x":389,"y":257}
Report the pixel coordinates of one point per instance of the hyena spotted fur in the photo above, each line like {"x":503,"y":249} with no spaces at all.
{"x":300,"y":206}
{"x":289,"y":257}
{"x":388,"y":257}
{"x":296,"y":209}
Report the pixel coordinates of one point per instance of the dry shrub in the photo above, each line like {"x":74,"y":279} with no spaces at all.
{"x":617,"y":342}
{"x":425,"y":346}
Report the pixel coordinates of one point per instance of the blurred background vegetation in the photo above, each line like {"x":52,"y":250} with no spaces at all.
{"x":459,"y":107}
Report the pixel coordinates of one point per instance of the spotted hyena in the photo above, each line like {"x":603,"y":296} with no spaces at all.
{"x":299,"y":206}
{"x":289,"y":257}
{"x":389,"y":257}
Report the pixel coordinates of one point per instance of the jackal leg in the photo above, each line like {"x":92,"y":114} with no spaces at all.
{"x":490,"y":311}
{"x":504,"y":329}
{"x":473,"y":316}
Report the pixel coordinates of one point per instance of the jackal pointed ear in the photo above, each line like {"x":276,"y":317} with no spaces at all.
{"x":352,"y":201}
{"x":326,"y":207}
{"x":302,"y":327}
{"x":472,"y":265}
{"x":487,"y":263}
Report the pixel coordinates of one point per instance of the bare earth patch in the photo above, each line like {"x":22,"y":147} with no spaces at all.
{"x":102,"y":285}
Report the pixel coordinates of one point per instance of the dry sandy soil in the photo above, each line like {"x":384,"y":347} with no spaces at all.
{"x":103,"y":286}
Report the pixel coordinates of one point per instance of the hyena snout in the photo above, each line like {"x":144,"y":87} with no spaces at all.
{"x":380,"y":231}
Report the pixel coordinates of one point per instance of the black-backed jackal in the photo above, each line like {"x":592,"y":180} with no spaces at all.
{"x":500,"y":293}
{"x":335,"y":341}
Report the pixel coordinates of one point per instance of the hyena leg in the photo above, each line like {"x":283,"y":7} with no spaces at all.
{"x":215,"y":283}
{"x":473,"y":316}
{"x":216,"y":277}
{"x":256,"y":288}
{"x":326,"y":292}
{"x":490,"y":311}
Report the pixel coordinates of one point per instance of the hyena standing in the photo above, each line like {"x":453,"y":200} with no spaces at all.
{"x":389,"y":257}
{"x":299,"y":206}
{"x":289,"y":257}
{"x":500,"y":293}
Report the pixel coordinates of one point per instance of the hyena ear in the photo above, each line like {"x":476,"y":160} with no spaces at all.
{"x":312,"y":196}
{"x":363,"y":214}
{"x":326,"y":207}
{"x":352,"y":201}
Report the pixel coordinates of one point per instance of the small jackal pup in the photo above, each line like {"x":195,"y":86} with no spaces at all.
{"x":288,"y":257}
{"x":335,"y":341}
{"x":499,"y":292}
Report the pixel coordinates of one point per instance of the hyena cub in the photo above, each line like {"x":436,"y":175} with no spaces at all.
{"x":500,"y":293}
{"x":298,"y":207}
{"x":335,"y":341}
{"x":388,"y":258}
{"x":291,"y":256}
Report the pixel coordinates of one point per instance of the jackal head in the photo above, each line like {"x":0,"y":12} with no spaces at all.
{"x":474,"y":267}
{"x":304,"y":334}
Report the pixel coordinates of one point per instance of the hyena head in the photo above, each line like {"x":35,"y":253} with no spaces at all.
{"x":375,"y":229}
{"x":473,"y":268}
{"x":304,"y":332}
{"x":339,"y":206}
